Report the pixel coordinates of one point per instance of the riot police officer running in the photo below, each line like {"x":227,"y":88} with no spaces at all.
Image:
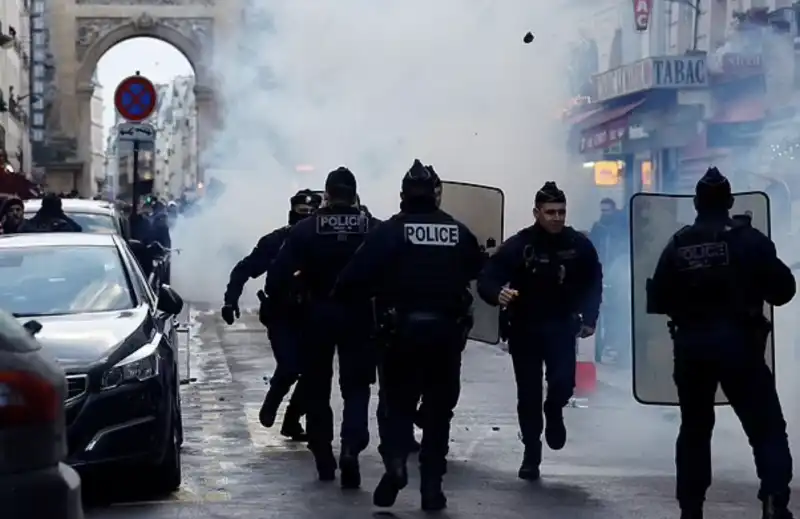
{"x":418,"y":266}
{"x":316,"y":250}
{"x":712,"y":280}
{"x":549,"y":279}
{"x":280,"y":316}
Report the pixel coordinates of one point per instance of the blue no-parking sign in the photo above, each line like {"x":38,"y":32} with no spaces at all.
{"x":135,"y":98}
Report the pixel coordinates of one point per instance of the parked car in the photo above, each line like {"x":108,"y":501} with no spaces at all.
{"x":116,"y":340}
{"x":34,"y":481}
{"x":98,"y":216}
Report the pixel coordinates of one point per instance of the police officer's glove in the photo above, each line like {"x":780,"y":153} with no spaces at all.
{"x":230,"y":313}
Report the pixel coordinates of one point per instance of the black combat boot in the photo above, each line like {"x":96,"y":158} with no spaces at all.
{"x":291,"y":424}
{"x":776,"y":508}
{"x":269,"y":409}
{"x":392,"y":482}
{"x":430,"y":488}
{"x":692,"y":513}
{"x":555,"y":432}
{"x":350,"y":471}
{"x":325,"y":461}
{"x":529,"y":469}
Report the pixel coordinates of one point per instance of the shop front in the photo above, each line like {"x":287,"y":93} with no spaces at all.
{"x":640,"y":113}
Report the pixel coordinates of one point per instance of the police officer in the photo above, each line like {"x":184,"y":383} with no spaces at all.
{"x":418,"y":265}
{"x":317,"y":249}
{"x":549,"y":279}
{"x":712,"y":280}
{"x":281,"y":320}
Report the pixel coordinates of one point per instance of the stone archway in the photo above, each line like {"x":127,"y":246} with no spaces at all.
{"x":92,"y":27}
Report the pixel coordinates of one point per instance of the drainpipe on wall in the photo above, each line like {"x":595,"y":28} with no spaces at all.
{"x":696,"y":27}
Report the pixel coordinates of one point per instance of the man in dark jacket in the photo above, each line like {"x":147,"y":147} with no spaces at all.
{"x":50,"y":218}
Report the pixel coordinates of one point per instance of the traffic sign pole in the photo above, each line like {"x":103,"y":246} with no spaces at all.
{"x":135,"y":186}
{"x":135,"y":101}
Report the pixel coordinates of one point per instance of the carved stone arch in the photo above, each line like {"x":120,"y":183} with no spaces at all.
{"x":144,"y":26}
{"x":94,"y":36}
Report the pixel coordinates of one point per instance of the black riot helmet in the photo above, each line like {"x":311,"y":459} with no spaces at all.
{"x":713,"y":193}
{"x":341,"y":187}
{"x":303,"y":204}
{"x":420,"y":182}
{"x":438,"y":185}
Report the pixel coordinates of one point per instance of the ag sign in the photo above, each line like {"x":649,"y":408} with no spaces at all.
{"x":641,"y":14}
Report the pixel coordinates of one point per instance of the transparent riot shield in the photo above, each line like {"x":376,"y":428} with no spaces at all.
{"x":481,"y":208}
{"x":654,"y":218}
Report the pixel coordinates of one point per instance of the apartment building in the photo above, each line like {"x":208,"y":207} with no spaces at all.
{"x":97,"y":139}
{"x":14,"y":84}
{"x":176,"y":153}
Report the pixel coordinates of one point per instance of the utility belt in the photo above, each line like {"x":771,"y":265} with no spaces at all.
{"x":508,"y":316}
{"x":754,"y":325}
{"x":270,"y":308}
{"x":389,"y":321}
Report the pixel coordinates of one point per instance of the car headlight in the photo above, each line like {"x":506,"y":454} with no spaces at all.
{"x":140,"y":365}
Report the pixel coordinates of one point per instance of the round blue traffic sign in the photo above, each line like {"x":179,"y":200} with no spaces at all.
{"x":135,"y":98}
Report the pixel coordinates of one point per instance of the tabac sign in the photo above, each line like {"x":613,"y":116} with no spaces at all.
{"x":667,"y":73}
{"x":641,"y":14}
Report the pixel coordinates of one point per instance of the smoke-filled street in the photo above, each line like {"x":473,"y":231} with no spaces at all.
{"x":617,"y":462}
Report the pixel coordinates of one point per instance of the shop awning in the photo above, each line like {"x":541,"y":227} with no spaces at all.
{"x":581,"y":117}
{"x":606,"y":128}
{"x":742,"y":110}
{"x":606,"y":116}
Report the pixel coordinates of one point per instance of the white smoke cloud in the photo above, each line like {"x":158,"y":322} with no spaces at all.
{"x":373,"y":85}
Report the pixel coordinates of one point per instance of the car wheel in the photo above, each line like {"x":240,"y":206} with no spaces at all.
{"x":166,"y":476}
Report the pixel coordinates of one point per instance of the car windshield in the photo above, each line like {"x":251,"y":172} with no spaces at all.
{"x":90,"y":222}
{"x":57,"y":280}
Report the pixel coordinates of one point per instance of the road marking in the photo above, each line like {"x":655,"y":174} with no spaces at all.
{"x":262,"y":438}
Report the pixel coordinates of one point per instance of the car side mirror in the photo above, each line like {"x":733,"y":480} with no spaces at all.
{"x":169,"y":301}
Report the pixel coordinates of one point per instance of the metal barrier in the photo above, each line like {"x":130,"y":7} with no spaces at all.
{"x":184,"y":330}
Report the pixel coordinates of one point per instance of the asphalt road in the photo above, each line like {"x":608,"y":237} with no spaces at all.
{"x":617,"y":462}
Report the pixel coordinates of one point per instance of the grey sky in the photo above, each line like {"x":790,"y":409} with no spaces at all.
{"x":158,"y":61}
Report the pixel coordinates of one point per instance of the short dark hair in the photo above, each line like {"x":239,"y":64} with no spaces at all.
{"x":549,"y":194}
{"x":608,"y":201}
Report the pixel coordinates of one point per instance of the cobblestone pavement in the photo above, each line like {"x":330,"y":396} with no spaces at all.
{"x":617,"y":462}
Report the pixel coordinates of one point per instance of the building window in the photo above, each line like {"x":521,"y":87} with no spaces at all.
{"x":38,"y":23}
{"x":38,"y":119}
{"x":38,"y":39}
{"x":38,"y":71}
{"x":38,"y":135}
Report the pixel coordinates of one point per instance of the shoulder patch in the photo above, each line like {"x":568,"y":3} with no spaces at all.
{"x":436,"y":234}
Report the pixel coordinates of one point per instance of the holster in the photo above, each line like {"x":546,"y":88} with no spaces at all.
{"x":759,"y":328}
{"x":265,"y":309}
{"x":504,"y":325}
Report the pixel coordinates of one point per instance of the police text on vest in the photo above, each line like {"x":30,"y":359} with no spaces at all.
{"x":441,"y":235}
{"x":341,"y":224}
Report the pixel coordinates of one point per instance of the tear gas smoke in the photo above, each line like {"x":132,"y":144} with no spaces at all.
{"x":373,"y":85}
